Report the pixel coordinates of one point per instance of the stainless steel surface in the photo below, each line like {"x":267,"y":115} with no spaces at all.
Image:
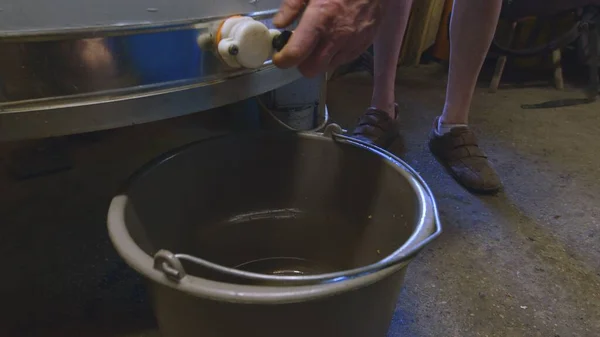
{"x":138,"y":60}
{"x":278,"y":196}
{"x":56,"y":82}
{"x":35,"y":17}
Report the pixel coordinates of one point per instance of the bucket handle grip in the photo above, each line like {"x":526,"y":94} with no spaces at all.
{"x":169,"y":264}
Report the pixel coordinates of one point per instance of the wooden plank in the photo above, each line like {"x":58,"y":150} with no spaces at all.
{"x":421,"y":32}
{"x":501,"y":62}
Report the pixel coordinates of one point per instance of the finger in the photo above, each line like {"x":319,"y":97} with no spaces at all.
{"x":345,"y":57}
{"x":319,"y":61}
{"x":288,"y":12}
{"x":303,"y":41}
{"x":339,"y":60}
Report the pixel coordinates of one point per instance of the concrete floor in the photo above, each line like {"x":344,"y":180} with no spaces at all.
{"x":523,"y":263}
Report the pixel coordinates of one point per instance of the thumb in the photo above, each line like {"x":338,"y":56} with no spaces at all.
{"x":288,"y":12}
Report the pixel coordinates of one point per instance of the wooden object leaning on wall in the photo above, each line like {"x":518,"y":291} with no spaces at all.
{"x":422,"y":30}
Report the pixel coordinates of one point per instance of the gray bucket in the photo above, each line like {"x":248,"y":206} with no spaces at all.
{"x":274,"y":234}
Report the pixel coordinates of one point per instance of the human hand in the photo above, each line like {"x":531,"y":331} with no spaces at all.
{"x":330,"y":33}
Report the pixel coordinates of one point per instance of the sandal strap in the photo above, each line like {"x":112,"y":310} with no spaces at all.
{"x":374,"y":122}
{"x":461,"y":143}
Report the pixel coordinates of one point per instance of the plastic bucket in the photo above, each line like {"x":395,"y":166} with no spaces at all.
{"x":327,"y":223}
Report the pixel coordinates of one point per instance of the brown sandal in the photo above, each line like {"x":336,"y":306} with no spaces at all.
{"x":458,"y":151}
{"x":377,"y":127}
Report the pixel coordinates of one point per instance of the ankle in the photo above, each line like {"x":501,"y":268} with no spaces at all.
{"x":390,"y":109}
{"x":443,"y":128}
{"x":448,"y":121}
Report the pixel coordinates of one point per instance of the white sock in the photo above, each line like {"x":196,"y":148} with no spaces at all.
{"x":443,"y":128}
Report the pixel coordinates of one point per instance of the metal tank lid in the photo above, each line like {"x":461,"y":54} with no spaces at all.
{"x":34,"y":17}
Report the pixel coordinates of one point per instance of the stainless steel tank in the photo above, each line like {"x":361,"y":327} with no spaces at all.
{"x":71,"y":66}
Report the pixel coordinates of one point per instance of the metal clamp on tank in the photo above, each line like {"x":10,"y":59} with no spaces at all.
{"x":243,"y":42}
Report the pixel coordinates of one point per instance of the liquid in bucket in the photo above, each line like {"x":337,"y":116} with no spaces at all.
{"x":285,"y":266}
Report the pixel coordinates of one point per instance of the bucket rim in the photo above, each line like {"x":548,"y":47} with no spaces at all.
{"x":426,"y":229}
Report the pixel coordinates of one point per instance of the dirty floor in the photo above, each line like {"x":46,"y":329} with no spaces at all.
{"x":523,"y":263}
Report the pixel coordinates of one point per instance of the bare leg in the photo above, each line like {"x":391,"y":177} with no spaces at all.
{"x":378,"y":125}
{"x":472,"y":28}
{"x":452,"y":142}
{"x":387,"y":47}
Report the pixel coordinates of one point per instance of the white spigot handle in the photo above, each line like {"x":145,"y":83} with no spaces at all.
{"x":245,"y":42}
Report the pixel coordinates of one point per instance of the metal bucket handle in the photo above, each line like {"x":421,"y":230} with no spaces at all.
{"x":170,"y":264}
